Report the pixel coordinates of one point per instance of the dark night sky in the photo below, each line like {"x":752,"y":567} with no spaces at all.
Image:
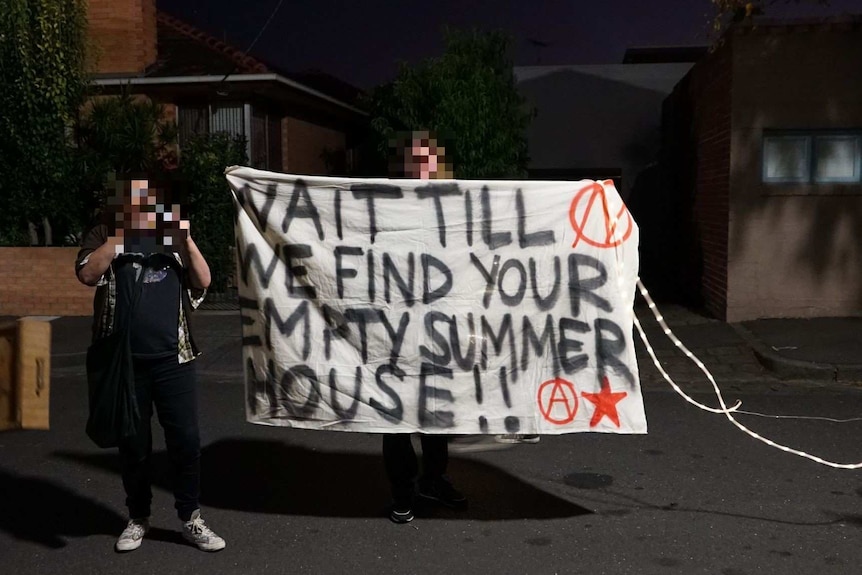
{"x":362,"y":41}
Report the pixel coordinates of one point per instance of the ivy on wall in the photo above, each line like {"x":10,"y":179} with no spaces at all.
{"x":43,"y":72}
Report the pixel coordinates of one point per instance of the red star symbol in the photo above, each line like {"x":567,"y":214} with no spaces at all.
{"x":605,"y":402}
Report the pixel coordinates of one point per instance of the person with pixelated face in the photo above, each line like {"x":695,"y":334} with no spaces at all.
{"x":417,"y":155}
{"x":145,"y":219}
{"x":144,"y":241}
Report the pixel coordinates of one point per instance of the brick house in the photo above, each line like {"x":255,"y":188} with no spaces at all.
{"x":299,"y":123}
{"x":761,"y":173}
{"x":292,"y":123}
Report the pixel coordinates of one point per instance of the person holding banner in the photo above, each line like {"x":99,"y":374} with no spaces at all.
{"x":143,"y":241}
{"x":418,"y":156}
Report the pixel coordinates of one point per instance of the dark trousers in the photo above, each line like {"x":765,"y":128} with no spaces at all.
{"x":172,"y":388}
{"x":402,"y":467}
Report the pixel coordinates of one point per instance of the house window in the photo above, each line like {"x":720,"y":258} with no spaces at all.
{"x":191,"y":121}
{"x":812,"y":157}
{"x":261,"y":130}
{"x":210,"y":119}
{"x":786,"y":158}
{"x":265,"y":140}
{"x":228,"y":119}
{"x":836,"y":159}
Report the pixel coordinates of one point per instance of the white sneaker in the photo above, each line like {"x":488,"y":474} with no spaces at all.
{"x":132,"y":536}
{"x":196,"y":531}
{"x":474,"y":444}
{"x":517,"y":438}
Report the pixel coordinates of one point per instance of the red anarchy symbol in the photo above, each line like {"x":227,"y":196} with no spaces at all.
{"x":563,"y":393}
{"x":591,"y":193}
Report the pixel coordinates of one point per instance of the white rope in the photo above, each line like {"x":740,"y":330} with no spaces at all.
{"x":685,"y":350}
{"x":728,"y":412}
{"x":811,"y":417}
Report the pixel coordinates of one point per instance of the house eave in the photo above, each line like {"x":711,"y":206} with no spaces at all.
{"x":233,"y":78}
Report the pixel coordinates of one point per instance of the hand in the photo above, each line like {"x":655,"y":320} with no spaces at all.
{"x":176,"y":229}
{"x":116,"y":242}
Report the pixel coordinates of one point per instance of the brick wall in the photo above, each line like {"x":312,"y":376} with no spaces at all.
{"x":304,"y":142}
{"x":712,"y":125}
{"x":123,"y":33}
{"x":697,"y":161}
{"x":41,"y":281}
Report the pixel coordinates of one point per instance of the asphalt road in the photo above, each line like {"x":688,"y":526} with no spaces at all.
{"x":695,"y":495}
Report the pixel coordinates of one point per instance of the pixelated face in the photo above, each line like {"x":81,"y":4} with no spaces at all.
{"x":143,"y":218}
{"x":423,"y":157}
{"x":144,"y":206}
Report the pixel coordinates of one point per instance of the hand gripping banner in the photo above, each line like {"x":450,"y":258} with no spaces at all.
{"x":437,"y":306}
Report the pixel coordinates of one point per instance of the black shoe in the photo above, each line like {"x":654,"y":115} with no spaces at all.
{"x":440,"y":490}
{"x":401,"y":512}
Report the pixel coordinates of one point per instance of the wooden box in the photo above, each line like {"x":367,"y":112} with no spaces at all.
{"x":25,"y":374}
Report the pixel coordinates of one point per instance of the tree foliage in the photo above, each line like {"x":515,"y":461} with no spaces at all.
{"x":729,"y":12}
{"x":128,"y":134}
{"x":204,"y":159}
{"x":468,"y":96}
{"x":120,"y":135}
{"x":44,"y":80}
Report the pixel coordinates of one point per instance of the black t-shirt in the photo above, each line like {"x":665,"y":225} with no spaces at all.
{"x":155,"y":320}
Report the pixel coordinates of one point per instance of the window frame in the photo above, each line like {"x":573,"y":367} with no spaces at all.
{"x":857,"y":160}
{"x":273,"y":152}
{"x":811,"y":137}
{"x":245,"y":111}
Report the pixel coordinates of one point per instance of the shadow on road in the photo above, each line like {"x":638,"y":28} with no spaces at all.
{"x":44,"y":512}
{"x":626,"y":504}
{"x":262,"y":476}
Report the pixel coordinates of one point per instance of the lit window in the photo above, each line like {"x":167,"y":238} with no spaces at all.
{"x":836,"y":159}
{"x":786,"y":158}
{"x":812,"y":156}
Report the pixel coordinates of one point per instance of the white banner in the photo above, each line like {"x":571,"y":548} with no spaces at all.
{"x":437,"y":306}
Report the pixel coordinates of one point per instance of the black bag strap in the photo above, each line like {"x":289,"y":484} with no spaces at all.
{"x":136,"y":294}
{"x":139,"y":286}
